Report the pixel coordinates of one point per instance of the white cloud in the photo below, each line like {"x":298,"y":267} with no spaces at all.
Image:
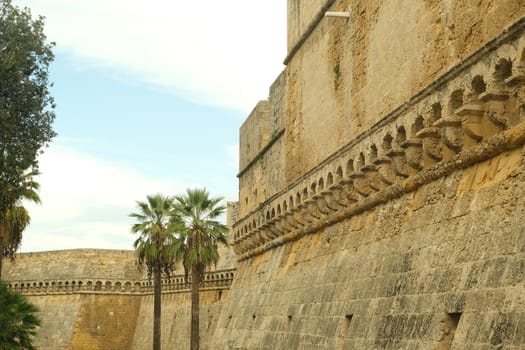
{"x":86,"y":202}
{"x":224,"y":53}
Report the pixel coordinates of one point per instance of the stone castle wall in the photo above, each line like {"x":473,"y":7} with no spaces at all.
{"x":386,"y":211}
{"x":95,"y":299}
{"x":74,"y":264}
{"x":381,"y":198}
{"x":344,"y":76}
{"x":176,"y":315}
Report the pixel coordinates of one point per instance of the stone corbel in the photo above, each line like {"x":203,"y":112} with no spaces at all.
{"x":432,"y":146}
{"x":258,"y":234}
{"x":285,"y":223}
{"x":399,"y":162}
{"x":496,"y":120}
{"x":291,"y":221}
{"x":241,"y":247}
{"x":248,"y":244}
{"x":452,"y":135}
{"x":322,"y":204}
{"x":517,"y":77}
{"x":331,"y":200}
{"x":245,"y":236}
{"x":494,"y":93}
{"x":372,"y":177}
{"x":385,"y":170}
{"x":347,"y":194}
{"x":471,"y":115}
{"x":494,"y":99}
{"x":300,"y":217}
{"x":360,"y":184}
{"x":414,"y":155}
{"x":312,"y":209}
{"x":272,"y":232}
{"x":281,"y":224}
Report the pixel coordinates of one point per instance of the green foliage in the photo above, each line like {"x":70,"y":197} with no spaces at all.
{"x":156,"y":226}
{"x":155,"y":247}
{"x":201,"y":232}
{"x":26,"y":107}
{"x":179,"y":228}
{"x":197,"y":241}
{"x":18,"y":322}
{"x":16,"y":218}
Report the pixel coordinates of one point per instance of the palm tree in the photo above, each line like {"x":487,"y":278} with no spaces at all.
{"x":198,"y":243}
{"x":17,"y":321}
{"x":16,"y":218}
{"x":155,"y":247}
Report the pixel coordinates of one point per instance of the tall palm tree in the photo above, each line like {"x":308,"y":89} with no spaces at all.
{"x":155,"y":247}
{"x":16,"y":218}
{"x":18,"y":322}
{"x":198,"y":241}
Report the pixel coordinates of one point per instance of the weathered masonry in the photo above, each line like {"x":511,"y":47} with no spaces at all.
{"x":382,"y":184}
{"x":92,"y":299}
{"x":381,"y":198}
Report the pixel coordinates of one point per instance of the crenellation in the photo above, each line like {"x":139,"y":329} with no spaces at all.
{"x":213,"y":280}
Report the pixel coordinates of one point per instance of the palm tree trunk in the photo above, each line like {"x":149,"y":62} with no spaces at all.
{"x":195,"y":282}
{"x":1,"y":261}
{"x":156,"y":309}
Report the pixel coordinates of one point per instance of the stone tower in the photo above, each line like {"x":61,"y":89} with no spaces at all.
{"x":381,"y":183}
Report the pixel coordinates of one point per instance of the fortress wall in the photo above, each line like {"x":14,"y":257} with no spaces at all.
{"x":58,"y":314}
{"x":259,"y":182}
{"x":397,"y":276}
{"x":254,"y":133}
{"x":105,"y":322}
{"x":108,"y":311}
{"x":122,"y":321}
{"x":399,"y":221}
{"x":405,"y":45}
{"x":300,"y":15}
{"x":73,"y":264}
{"x":73,"y":320}
{"x":176,"y":316}
{"x":349,"y":74}
{"x":261,"y":158}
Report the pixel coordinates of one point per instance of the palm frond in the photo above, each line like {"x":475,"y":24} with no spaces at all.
{"x":156,"y":228}
{"x":202,"y":232}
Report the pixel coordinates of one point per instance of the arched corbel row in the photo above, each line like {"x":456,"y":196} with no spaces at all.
{"x":213,"y":279}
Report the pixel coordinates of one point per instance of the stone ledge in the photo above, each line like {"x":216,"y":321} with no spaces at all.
{"x":507,"y":141}
{"x":176,"y":284}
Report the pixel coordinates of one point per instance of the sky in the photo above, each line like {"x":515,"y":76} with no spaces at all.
{"x":150,"y":96}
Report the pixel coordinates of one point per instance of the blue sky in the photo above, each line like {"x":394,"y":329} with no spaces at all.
{"x":150,"y":97}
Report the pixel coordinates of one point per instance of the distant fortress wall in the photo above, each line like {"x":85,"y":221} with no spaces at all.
{"x":96,"y":299}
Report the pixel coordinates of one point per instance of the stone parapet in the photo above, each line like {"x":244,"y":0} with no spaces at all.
{"x":175,"y":284}
{"x":473,"y":112}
